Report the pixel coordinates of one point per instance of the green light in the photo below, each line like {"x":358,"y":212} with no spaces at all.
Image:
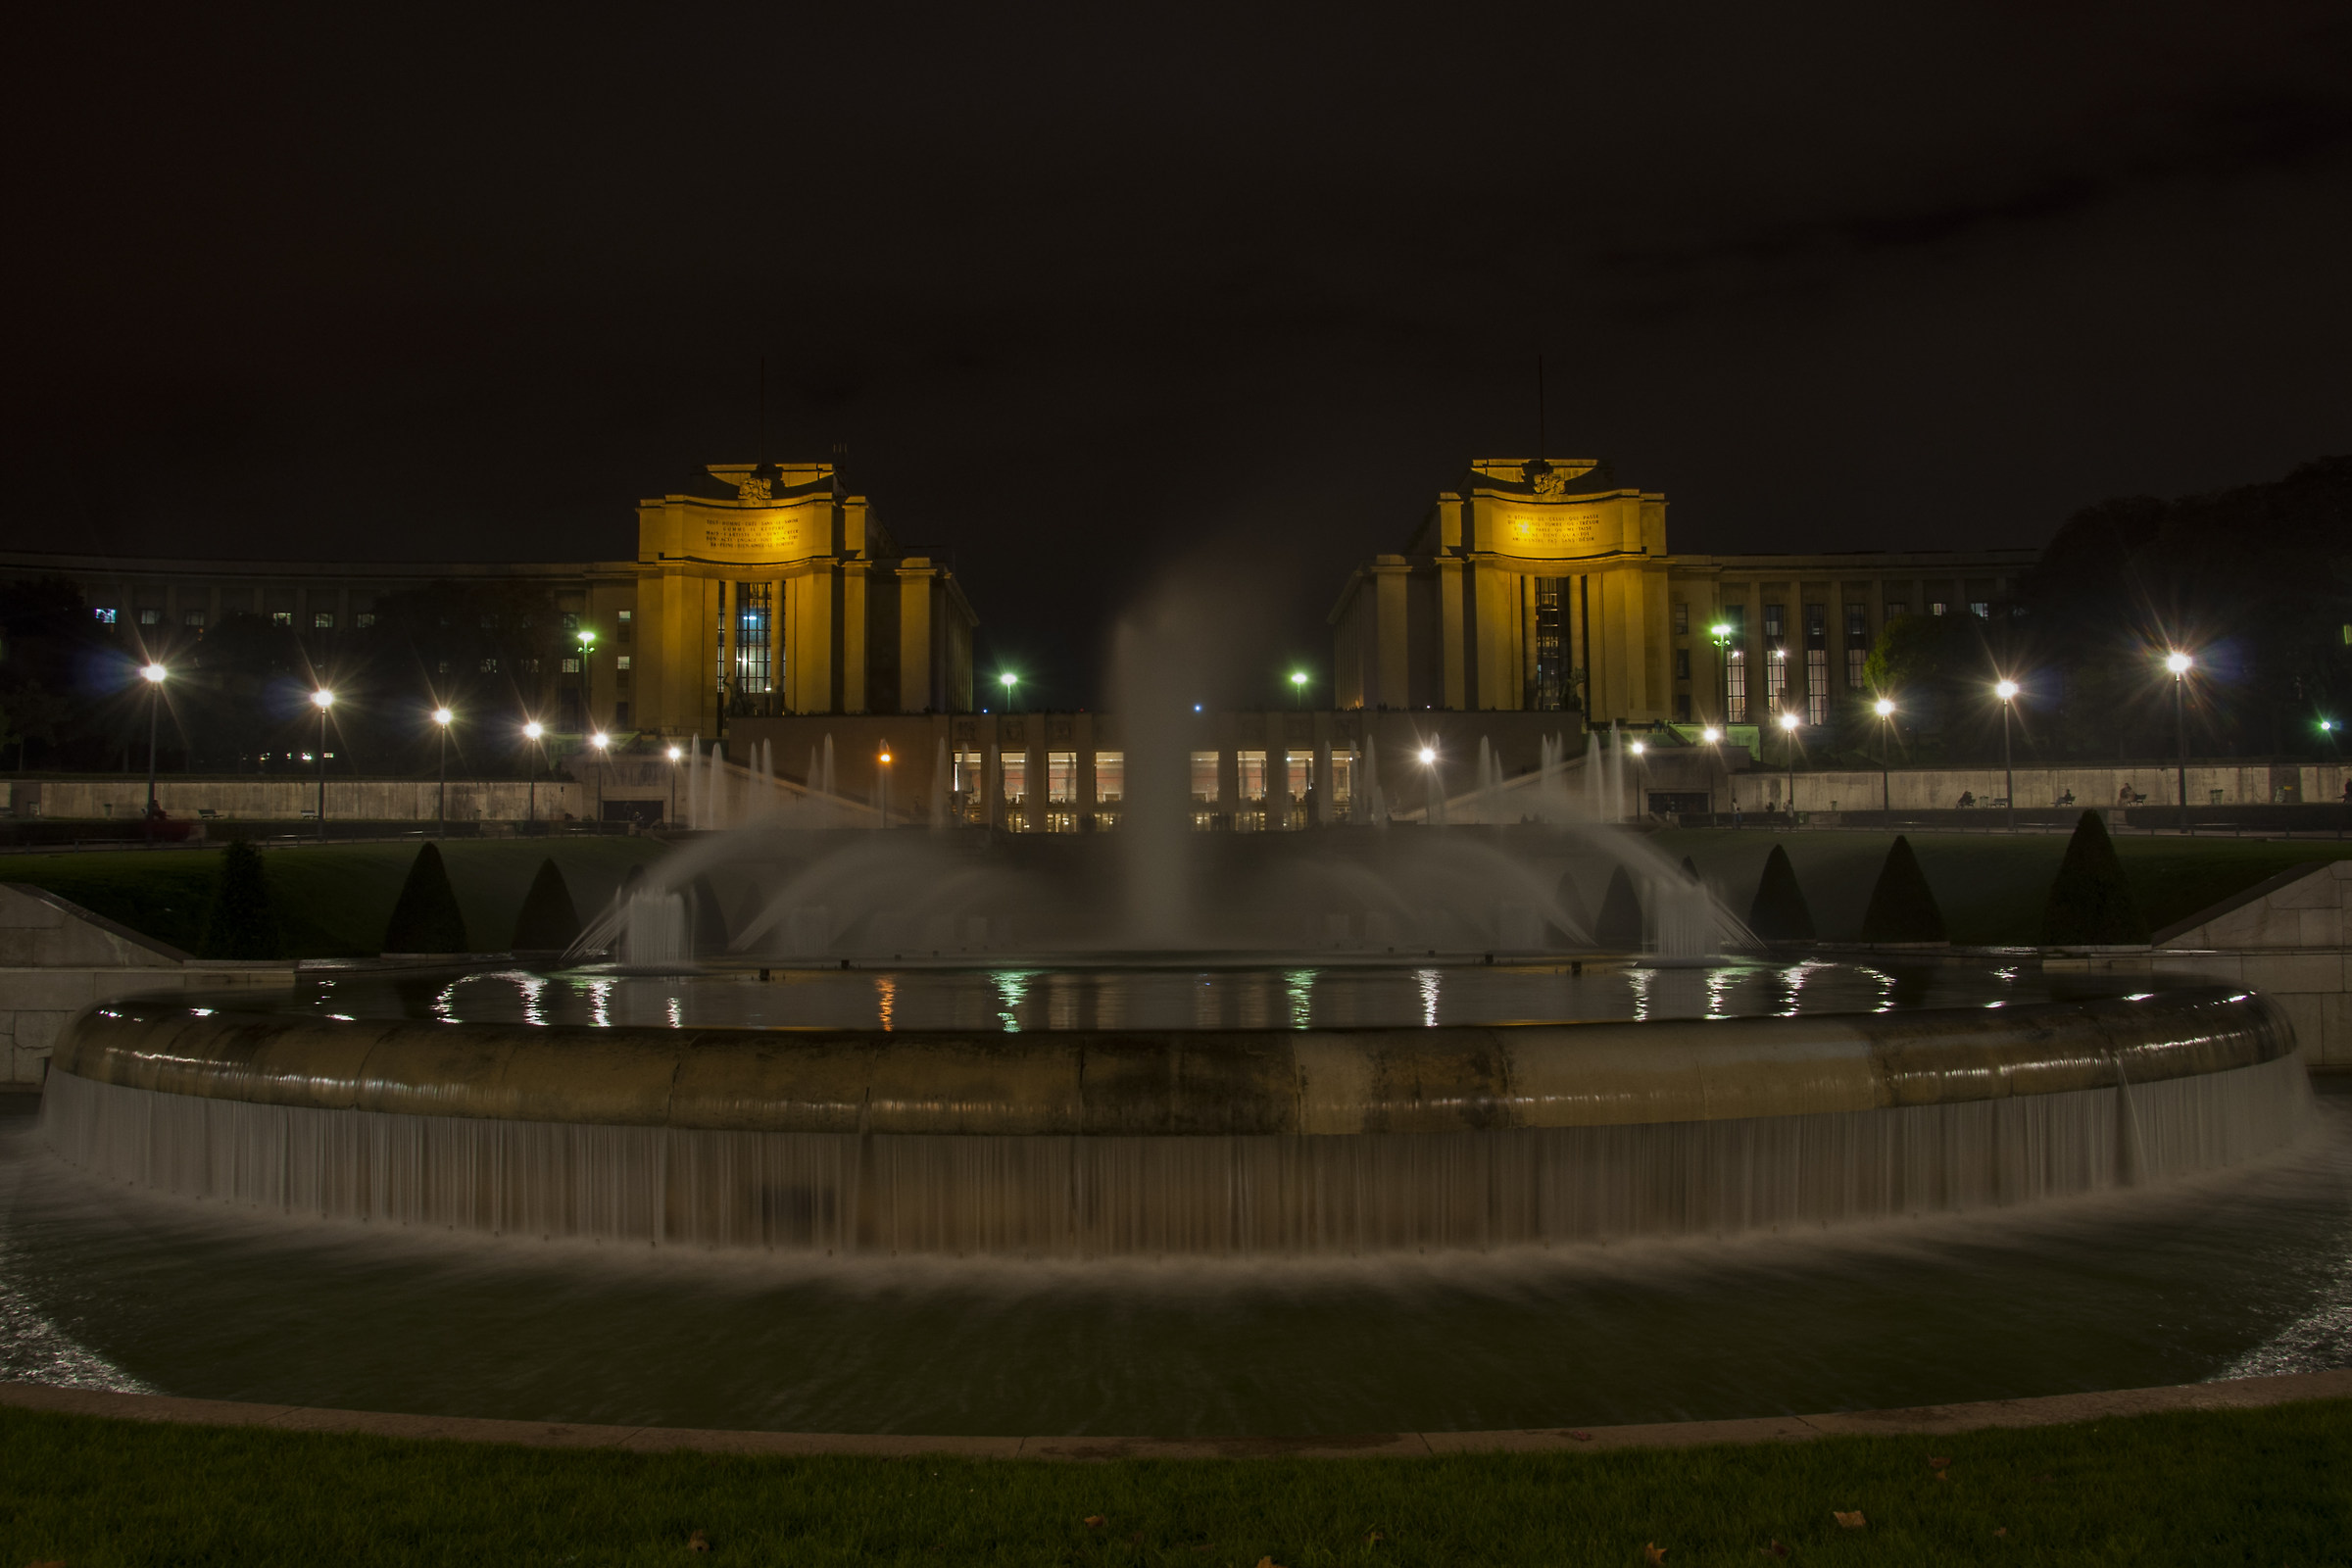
{"x":1297,"y":680}
{"x":1008,"y":680}
{"x":586,"y":638}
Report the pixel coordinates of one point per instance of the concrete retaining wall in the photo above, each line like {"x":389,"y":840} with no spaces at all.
{"x":1940,"y":788}
{"x":296,"y":800}
{"x":56,"y":957}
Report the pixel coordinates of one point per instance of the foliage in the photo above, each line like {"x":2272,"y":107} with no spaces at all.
{"x":242,"y":922}
{"x":548,"y":923}
{"x":2210,"y":1488}
{"x":1780,"y":912}
{"x":1902,"y":906}
{"x":2091,"y":899}
{"x":426,"y":918}
{"x":1620,"y":923}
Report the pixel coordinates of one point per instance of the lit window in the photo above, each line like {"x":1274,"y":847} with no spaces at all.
{"x":1937,"y":606}
{"x":571,"y":667}
{"x":1061,"y":777}
{"x":1735,"y":689}
{"x":1979,"y":608}
{"x":1110,"y":777}
{"x":1343,"y":779}
{"x":1250,"y":775}
{"x":106,"y":617}
{"x":489,"y":666}
{"x":322,"y":620}
{"x":1771,"y":622}
{"x":1817,"y":686}
{"x":1817,"y":622}
{"x":1204,"y":778}
{"x":1857,"y":621}
{"x":1855,"y":659}
{"x":1776,"y":682}
{"x":1301,"y":773}
{"x":151,"y":617}
{"x":194,"y":618}
{"x":1013,"y":766}
{"x":622,"y":662}
{"x":281,"y":618}
{"x":365,"y":618}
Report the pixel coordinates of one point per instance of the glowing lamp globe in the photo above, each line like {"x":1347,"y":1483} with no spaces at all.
{"x":1883,"y":708}
{"x":600,"y":742}
{"x":323,"y":699}
{"x":1710,"y":735}
{"x":1636,"y":747}
{"x":676,"y":751}
{"x":154,"y":674}
{"x":1428,"y":754}
{"x":534,"y":729}
{"x":2005,"y":690}
{"x":1788,"y":721}
{"x":444,"y":717}
{"x":2177,"y":663}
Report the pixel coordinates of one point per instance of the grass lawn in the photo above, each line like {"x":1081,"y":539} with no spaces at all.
{"x":1990,"y":886}
{"x":333,"y":900}
{"x":2244,"y":1487}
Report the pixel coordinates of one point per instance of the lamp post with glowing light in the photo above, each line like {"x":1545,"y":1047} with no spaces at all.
{"x":1436,"y":813}
{"x":1298,"y":688}
{"x":323,"y":699}
{"x":1884,"y":709}
{"x":1788,"y":746}
{"x":2179,"y":664}
{"x":599,"y":740}
{"x":1008,"y":680}
{"x":2006,"y":690}
{"x":531,"y":732}
{"x":882,"y":785}
{"x":675,"y":753}
{"x":1640,"y":750}
{"x":1714,"y":739}
{"x":154,"y":674}
{"x":442,"y":719}
{"x":1720,"y":634}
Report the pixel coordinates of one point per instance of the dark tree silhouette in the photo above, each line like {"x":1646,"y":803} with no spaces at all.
{"x":426,"y":918}
{"x":2091,"y":899}
{"x":241,"y":922}
{"x":1902,"y":906}
{"x":1780,"y":912}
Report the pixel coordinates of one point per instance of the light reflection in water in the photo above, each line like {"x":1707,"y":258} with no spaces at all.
{"x":1638,"y":977}
{"x":1301,"y":987}
{"x":599,"y":1002}
{"x":1012,"y":990}
{"x":886,"y":998}
{"x":1429,"y":998}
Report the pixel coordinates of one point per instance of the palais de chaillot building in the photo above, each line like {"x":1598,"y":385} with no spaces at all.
{"x":1534,"y":598}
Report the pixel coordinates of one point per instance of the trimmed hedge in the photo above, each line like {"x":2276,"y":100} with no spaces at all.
{"x":1902,"y":906}
{"x":548,"y":923}
{"x":1780,"y":912}
{"x":427,"y":917}
{"x":242,"y":922}
{"x":2090,"y":899}
{"x":1620,"y":923}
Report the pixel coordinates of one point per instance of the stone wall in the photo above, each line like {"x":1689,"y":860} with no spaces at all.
{"x":288,"y":800}
{"x":1927,"y":789}
{"x":56,"y":957}
{"x":2286,"y":939}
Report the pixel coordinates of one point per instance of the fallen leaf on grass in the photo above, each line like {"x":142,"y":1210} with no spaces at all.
{"x":1654,"y":1552}
{"x":1943,"y":1475}
{"x":1095,"y":1521}
{"x":2002,"y":1532}
{"x":1852,"y":1521}
{"x":698,"y":1542}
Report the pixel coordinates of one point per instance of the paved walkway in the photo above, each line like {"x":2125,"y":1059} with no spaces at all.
{"x":1931,"y":1420}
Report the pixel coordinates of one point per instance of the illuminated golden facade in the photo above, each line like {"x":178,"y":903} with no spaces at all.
{"x":1537,"y":585}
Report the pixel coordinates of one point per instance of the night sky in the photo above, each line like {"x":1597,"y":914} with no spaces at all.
{"x":1096,"y":294}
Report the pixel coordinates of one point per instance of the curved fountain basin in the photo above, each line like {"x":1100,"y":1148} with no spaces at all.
{"x":1101,"y":1143}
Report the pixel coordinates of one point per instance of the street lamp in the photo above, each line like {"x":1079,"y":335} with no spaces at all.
{"x":1007,"y":680}
{"x":882,"y":784}
{"x":1714,"y":738}
{"x":2180,"y":665}
{"x":2006,"y":690}
{"x":1640,"y":750}
{"x":1298,"y":688}
{"x":1436,"y":813}
{"x":1788,"y":748}
{"x":599,"y":740}
{"x":154,"y":674}
{"x":442,"y":719}
{"x":323,"y":699}
{"x":1884,"y":709}
{"x":675,"y":753}
{"x":531,"y":732}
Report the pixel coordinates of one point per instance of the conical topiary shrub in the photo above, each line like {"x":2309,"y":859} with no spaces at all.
{"x":548,"y":922}
{"x":1620,"y":923}
{"x":2091,"y":899}
{"x":241,"y":923}
{"x":1780,"y":912}
{"x":1690,"y":871}
{"x":1902,"y":906}
{"x":427,"y":917}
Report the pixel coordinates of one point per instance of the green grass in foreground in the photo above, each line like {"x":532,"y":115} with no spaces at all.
{"x":1990,"y":886}
{"x":2268,"y":1486}
{"x":333,"y":900}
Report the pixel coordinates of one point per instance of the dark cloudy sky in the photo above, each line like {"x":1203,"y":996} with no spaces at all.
{"x":1094,"y":291}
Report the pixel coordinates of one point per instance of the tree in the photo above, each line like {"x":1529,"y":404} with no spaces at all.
{"x":241,"y":923}
{"x":1620,"y":923}
{"x":2091,"y":899}
{"x":427,"y":917}
{"x":548,"y":922}
{"x":1902,"y":906}
{"x":1780,"y":912}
